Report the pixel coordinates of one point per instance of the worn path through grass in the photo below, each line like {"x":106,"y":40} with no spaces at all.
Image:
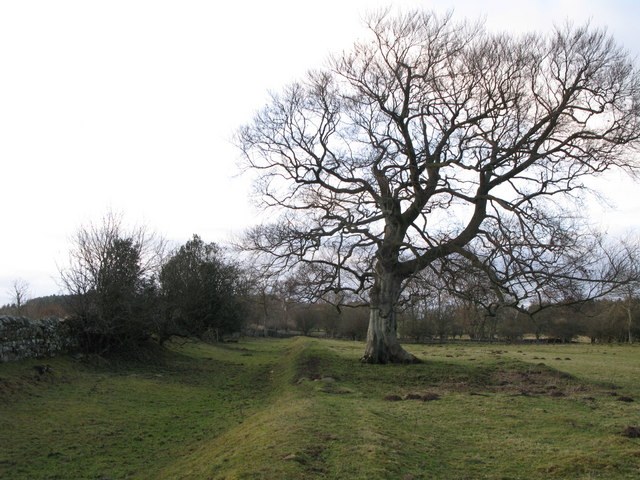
{"x":307,"y":409}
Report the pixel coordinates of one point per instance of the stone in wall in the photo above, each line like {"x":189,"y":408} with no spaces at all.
{"x":24,"y":338}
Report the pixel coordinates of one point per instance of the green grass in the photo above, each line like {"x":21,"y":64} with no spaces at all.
{"x":307,"y":409}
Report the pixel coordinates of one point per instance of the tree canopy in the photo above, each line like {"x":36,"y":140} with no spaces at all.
{"x":434,"y":144}
{"x":201,"y":291}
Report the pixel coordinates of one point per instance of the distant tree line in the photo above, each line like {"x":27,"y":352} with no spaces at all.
{"x":40,"y":307}
{"x":125,"y":288}
{"x":443,"y":305}
{"x":601,"y":321}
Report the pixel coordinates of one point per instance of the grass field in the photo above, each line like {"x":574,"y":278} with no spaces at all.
{"x":307,"y":409}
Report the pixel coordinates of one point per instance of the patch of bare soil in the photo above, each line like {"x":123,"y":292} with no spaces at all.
{"x":631,"y":432}
{"x":538,"y":381}
{"x":392,"y":398}
{"x":622,"y":398}
{"x":413,"y":396}
{"x":427,"y":397}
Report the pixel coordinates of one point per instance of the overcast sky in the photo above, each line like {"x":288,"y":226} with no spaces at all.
{"x":131,"y":105}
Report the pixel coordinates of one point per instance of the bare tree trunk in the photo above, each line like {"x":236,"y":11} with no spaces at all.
{"x":382,"y":339}
{"x":629,"y":317}
{"x":627,"y":306}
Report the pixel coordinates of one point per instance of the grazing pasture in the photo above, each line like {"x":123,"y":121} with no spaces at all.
{"x":307,"y":408}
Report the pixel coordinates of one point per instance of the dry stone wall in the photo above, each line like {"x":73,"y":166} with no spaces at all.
{"x":24,"y":338}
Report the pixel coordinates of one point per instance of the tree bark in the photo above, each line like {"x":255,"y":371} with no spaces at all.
{"x":382,"y":339}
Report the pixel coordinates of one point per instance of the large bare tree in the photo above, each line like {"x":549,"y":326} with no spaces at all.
{"x":434,"y":141}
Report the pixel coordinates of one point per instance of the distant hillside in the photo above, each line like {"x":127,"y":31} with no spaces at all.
{"x":40,"y":307}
